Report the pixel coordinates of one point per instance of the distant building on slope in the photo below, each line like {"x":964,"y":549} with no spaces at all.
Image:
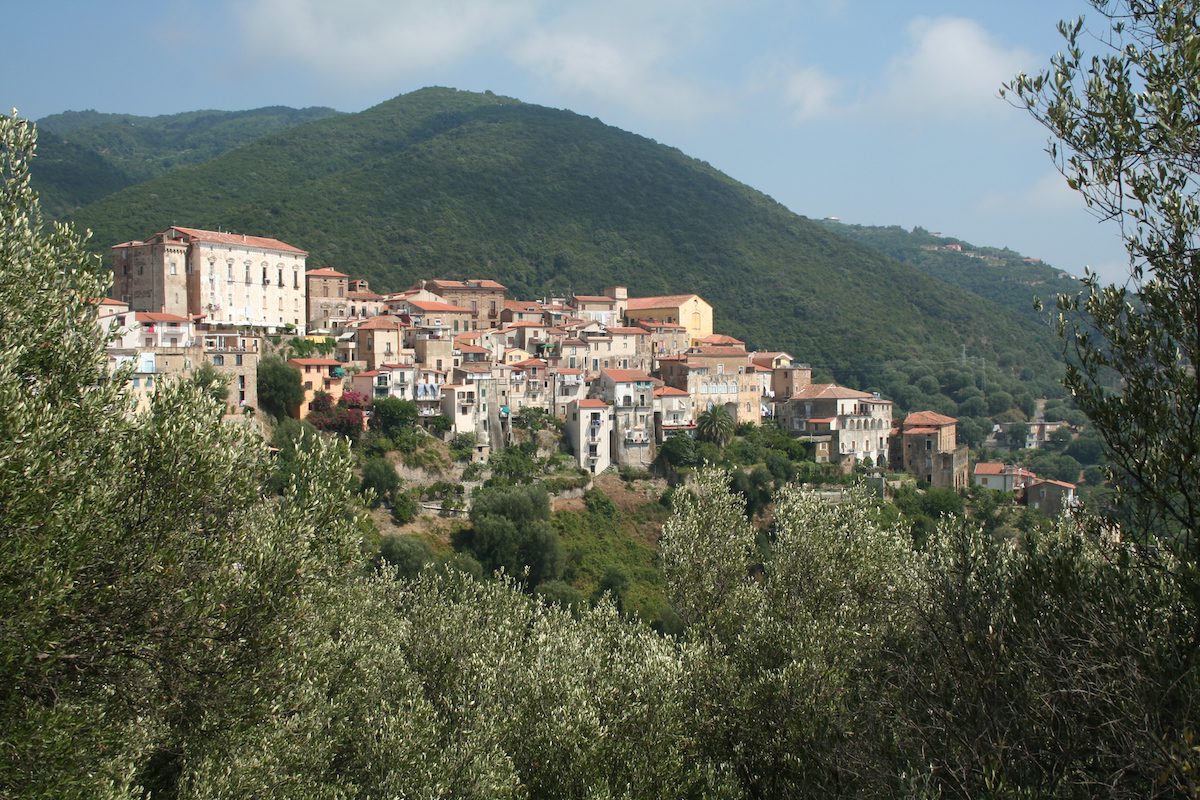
{"x":929,"y":450}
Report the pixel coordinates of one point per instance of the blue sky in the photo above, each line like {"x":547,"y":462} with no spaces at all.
{"x":877,"y":112}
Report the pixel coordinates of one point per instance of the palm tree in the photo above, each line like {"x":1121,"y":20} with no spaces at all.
{"x":715,"y":425}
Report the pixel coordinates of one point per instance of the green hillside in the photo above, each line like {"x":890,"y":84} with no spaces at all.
{"x":85,"y":155}
{"x":441,"y":183}
{"x":993,"y":273}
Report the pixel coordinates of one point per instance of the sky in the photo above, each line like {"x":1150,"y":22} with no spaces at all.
{"x":875,"y":111}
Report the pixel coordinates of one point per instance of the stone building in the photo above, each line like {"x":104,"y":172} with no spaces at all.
{"x":328,"y":305}
{"x":929,"y":450}
{"x":484,"y":299}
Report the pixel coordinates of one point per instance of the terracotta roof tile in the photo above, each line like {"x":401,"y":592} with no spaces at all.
{"x":929,"y":418}
{"x":235,"y":239}
{"x":627,"y":375}
{"x":158,"y":316}
{"x":660,"y":301}
{"x":315,"y":362}
{"x":383,"y":322}
{"x":830,"y":391}
{"x":432,"y":307}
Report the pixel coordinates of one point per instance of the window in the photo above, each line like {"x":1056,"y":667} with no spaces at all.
{"x":238,"y":361}
{"x":279,"y":276}
{"x":266,"y":280}
{"x":173,"y":268}
{"x":295,"y":279}
{"x":218,"y":361}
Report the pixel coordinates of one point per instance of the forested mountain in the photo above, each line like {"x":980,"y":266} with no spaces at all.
{"x":442,"y":183}
{"x":85,"y":155}
{"x":993,"y":273}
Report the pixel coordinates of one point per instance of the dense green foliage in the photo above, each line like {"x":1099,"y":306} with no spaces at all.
{"x":511,"y":531}
{"x":1122,"y":109}
{"x":84,"y":155}
{"x":380,"y":479}
{"x":541,"y":200}
{"x":392,"y":416}
{"x":715,"y":425}
{"x":998,"y":274}
{"x":279,"y":387}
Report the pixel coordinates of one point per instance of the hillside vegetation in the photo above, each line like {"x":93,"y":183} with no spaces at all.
{"x":998,"y":274}
{"x":86,"y":155}
{"x":442,"y":183}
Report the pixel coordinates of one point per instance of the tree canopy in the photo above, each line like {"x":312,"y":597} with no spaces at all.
{"x":1121,"y":105}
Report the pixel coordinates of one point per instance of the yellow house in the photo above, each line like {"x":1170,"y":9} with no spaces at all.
{"x":688,"y":310}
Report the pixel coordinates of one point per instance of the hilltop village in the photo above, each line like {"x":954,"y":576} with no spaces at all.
{"x":621,"y":373}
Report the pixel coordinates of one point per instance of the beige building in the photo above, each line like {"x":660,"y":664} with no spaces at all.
{"x":854,"y":425}
{"x":484,"y":299}
{"x":930,"y":451}
{"x":433,"y":317}
{"x":328,"y":305}
{"x":1050,"y":497}
{"x":688,"y":310}
{"x":231,"y":279}
{"x":596,"y":308}
{"x":236,"y":357}
{"x":380,"y":340}
{"x":630,"y":392}
{"x":1002,"y":477}
{"x":666,"y":339}
{"x":672,"y":412}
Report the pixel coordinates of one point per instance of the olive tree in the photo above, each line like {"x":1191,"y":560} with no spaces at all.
{"x":150,"y":590}
{"x":1121,"y":104}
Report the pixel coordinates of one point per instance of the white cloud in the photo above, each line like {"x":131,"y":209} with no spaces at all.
{"x":628,"y":72}
{"x":1048,"y":194}
{"x":950,"y":67}
{"x":810,"y":92}
{"x":375,"y":41}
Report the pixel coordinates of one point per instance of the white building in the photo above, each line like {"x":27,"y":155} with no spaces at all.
{"x":231,"y":279}
{"x":589,"y":428}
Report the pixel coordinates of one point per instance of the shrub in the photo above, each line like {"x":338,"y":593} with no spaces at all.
{"x":405,"y":508}
{"x":462,"y":446}
{"x":599,"y":503}
{"x":379,"y":477}
{"x":408,"y":554}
